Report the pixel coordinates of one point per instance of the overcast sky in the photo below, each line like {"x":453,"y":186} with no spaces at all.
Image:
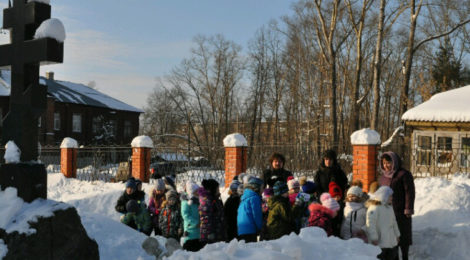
{"x":124,"y":45}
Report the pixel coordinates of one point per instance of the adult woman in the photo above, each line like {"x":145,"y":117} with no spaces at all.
{"x":330,"y":171}
{"x":276,"y":172}
{"x":402,"y":184}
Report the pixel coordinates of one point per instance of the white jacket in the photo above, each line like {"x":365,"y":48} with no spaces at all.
{"x":354,"y":219}
{"x":381,"y":226}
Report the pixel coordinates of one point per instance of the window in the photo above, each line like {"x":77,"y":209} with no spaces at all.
{"x":56,"y":121}
{"x":424,"y":150}
{"x":96,"y":124}
{"x":113,"y":127}
{"x":127,"y":128}
{"x":444,"y":151}
{"x":465,"y":152}
{"x":77,"y":123}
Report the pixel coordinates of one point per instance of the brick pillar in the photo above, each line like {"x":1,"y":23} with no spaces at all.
{"x":68,"y":157}
{"x":236,"y":156}
{"x":365,"y":144}
{"x":141,"y":151}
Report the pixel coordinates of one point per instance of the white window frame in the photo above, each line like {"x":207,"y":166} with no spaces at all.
{"x":57,"y":121}
{"x":76,"y":123}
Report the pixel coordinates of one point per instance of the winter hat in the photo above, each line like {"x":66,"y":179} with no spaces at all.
{"x":138,"y":182}
{"x":290,"y":178}
{"x":254,"y":184}
{"x":132,"y":206}
{"x":159,"y":185}
{"x":280,"y":188}
{"x":309,"y":187}
{"x":382,"y":194}
{"x":267,"y":193}
{"x":292,"y":184}
{"x":210,"y":185}
{"x":240,"y":189}
{"x":171,"y":195}
{"x":169,"y":181}
{"x":131,"y":184}
{"x":335,"y":190}
{"x":302,"y":198}
{"x":302,"y":180}
{"x":355,"y":190}
{"x":329,"y":202}
{"x":191,"y":187}
{"x":234,"y":185}
{"x":246,"y":178}
{"x":330,"y":154}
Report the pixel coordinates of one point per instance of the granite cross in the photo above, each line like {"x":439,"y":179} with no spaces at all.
{"x":24,"y":55}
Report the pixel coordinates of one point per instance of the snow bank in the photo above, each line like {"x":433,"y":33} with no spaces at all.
{"x":235,"y":140}
{"x":3,"y":249}
{"x":69,"y":143}
{"x":12,"y":153}
{"x":51,"y":28}
{"x":142,"y":141}
{"x":365,"y":136}
{"x":40,"y":1}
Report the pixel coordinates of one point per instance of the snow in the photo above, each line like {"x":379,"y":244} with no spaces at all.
{"x":390,"y":140}
{"x":235,"y":140}
{"x":3,"y":249}
{"x":69,"y":142}
{"x":142,"y":141}
{"x":365,"y":136}
{"x":12,"y":153}
{"x":449,"y":106}
{"x":40,"y":1}
{"x":51,"y":28}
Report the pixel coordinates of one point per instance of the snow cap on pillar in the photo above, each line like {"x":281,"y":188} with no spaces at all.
{"x":365,"y":136}
{"x":69,"y":143}
{"x":51,"y":28}
{"x":142,"y":141}
{"x":235,"y":140}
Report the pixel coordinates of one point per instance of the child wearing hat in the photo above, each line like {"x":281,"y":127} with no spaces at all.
{"x":300,"y":211}
{"x":381,"y":225}
{"x":337,"y":194}
{"x":211,"y":211}
{"x":137,"y":217}
{"x":250,"y":216}
{"x":170,"y":221}
{"x":354,"y":215}
{"x":157,"y":197}
{"x":267,"y":194}
{"x":279,"y":218}
{"x":294,"y":188}
{"x":190,"y":214}
{"x":130,"y":193}
{"x":321,"y":215}
{"x":231,"y":210}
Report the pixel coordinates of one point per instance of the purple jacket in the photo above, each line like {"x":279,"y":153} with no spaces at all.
{"x":211,"y":212}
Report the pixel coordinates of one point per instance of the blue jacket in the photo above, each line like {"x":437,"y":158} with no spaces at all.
{"x":190,"y":214}
{"x":250,"y":215}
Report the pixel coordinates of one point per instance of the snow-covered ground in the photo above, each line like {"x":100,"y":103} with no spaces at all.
{"x":441,"y":226}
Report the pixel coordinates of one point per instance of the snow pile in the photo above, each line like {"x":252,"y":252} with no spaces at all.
{"x":12,"y":153}
{"x":51,"y":28}
{"x":449,"y":106}
{"x":142,"y":141}
{"x":235,"y":140}
{"x":40,"y":1}
{"x":16,"y":215}
{"x":365,"y":136}
{"x":69,"y":143}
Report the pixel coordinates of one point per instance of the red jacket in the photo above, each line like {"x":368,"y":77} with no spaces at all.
{"x":321,"y":216}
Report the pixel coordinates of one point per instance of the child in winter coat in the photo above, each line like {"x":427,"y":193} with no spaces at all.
{"x":337,"y":194}
{"x":321,"y":215}
{"x":157,"y":197}
{"x":354,"y":215}
{"x":294,"y":188}
{"x":267,"y":194}
{"x":170,"y":221}
{"x":300,"y":211}
{"x":231,"y":211}
{"x":250,"y":215}
{"x":131,"y":193}
{"x":381,"y":225}
{"x":311,"y":189}
{"x":211,"y":212}
{"x":279,"y":218}
{"x":190,"y":214}
{"x":137,"y":217}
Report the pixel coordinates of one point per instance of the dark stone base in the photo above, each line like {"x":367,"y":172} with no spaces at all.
{"x":61,"y":236}
{"x":29,"y":179}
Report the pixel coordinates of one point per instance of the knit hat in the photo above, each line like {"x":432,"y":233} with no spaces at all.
{"x":138,"y":182}
{"x":382,"y":194}
{"x":302,"y":180}
{"x":329,"y":202}
{"x":268,"y":192}
{"x":131,"y":184}
{"x":234,"y":185}
{"x":132,"y":206}
{"x":159,"y":185}
{"x":280,"y":188}
{"x":355,"y":190}
{"x":292,"y":184}
{"x":290,"y":178}
{"x":191,"y":187}
{"x":171,"y":195}
{"x":302,"y":198}
{"x":246,"y":178}
{"x":309,"y":187}
{"x":335,"y":190}
{"x":210,"y":185}
{"x":254,"y":184}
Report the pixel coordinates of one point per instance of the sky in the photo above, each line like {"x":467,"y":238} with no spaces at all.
{"x":123,"y":46}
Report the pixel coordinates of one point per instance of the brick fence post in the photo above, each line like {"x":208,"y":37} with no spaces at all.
{"x":236,"y":156}
{"x":68,"y":157}
{"x":141,"y":150}
{"x":365,"y":144}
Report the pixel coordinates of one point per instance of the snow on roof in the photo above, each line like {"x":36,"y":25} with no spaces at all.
{"x":365,"y":136}
{"x":142,"y":141}
{"x":449,"y":106}
{"x":51,"y":28}
{"x":68,"y":92}
{"x":40,"y":1}
{"x":235,"y":140}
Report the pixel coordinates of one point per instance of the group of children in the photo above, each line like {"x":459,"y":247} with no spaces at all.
{"x":254,"y":212}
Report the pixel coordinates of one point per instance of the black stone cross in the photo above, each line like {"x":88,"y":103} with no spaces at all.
{"x":24,"y":55}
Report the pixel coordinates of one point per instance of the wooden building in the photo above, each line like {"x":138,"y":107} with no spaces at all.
{"x":78,"y":111}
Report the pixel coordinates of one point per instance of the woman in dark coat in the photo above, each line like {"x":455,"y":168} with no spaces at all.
{"x":276,"y":172}
{"x":330,"y":171}
{"x":402,"y":184}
